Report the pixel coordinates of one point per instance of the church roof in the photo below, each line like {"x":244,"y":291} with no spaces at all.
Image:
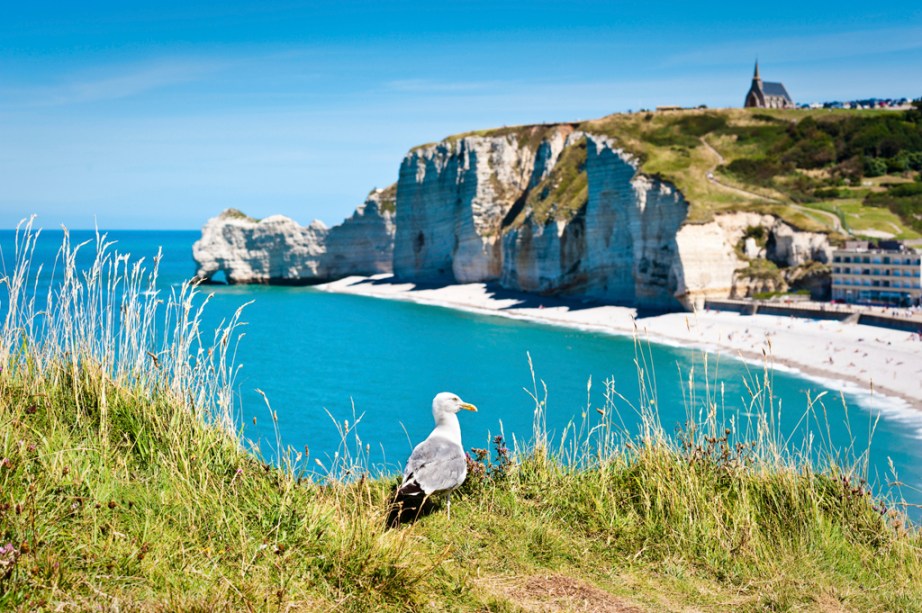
{"x":774,"y":89}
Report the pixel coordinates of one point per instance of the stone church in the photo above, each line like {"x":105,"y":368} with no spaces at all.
{"x":767,"y":95}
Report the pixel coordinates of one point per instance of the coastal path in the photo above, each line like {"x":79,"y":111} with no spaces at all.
{"x":833,"y":222}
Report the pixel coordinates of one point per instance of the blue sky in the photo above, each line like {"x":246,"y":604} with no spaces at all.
{"x":160,"y":115}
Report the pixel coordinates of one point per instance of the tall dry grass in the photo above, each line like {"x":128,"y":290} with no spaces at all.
{"x":113,"y":320}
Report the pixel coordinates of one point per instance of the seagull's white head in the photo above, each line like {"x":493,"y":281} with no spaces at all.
{"x":447,"y":403}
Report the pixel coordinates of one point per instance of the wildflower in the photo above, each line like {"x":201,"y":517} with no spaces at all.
{"x":31,"y":409}
{"x":8,"y":557}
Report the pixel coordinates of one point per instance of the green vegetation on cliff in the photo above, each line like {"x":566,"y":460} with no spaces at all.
{"x":817,"y":169}
{"x":123,"y":485}
{"x":835,"y":171}
{"x":565,"y":190}
{"x":387,"y":198}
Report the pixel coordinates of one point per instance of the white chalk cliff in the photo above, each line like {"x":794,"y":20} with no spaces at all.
{"x":463,"y":215}
{"x":544,"y":209}
{"x":279,"y":250}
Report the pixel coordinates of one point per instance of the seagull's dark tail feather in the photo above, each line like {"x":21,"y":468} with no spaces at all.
{"x":408,"y":503}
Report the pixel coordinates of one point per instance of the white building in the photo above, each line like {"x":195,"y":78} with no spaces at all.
{"x":889,"y":273}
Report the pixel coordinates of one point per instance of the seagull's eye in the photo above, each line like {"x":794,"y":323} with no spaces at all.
{"x":456,"y":399}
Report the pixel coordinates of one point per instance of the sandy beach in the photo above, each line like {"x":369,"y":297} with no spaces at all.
{"x":864,"y":358}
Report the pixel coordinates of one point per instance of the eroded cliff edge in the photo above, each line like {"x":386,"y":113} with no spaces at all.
{"x":547,"y":209}
{"x":281,"y":251}
{"x":554,"y":210}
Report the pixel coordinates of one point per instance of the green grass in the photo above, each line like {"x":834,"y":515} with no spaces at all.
{"x":122,"y":486}
{"x":902,"y":200}
{"x":564,"y":191}
{"x":859,"y":217}
{"x":237,"y":214}
{"x":528,"y":136}
{"x":762,"y":270}
{"x":759,"y":157}
{"x":388,"y":198}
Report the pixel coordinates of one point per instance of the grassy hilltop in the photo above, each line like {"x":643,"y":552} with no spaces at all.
{"x":843,"y":172}
{"x":123,"y":485}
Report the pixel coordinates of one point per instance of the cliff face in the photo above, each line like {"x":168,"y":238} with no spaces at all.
{"x":453,"y":199}
{"x":618,"y":246}
{"x":544,"y":209}
{"x":364,"y":243}
{"x":274,"y":249}
{"x":570,"y":214}
{"x":279,"y":250}
{"x":631,"y":225}
{"x":724,"y":259}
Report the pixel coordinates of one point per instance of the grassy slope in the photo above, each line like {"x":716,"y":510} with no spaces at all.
{"x":674,"y":145}
{"x":134,"y":502}
{"x":684,"y":146}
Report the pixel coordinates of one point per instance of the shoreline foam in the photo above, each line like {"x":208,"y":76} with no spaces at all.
{"x":852,"y":358}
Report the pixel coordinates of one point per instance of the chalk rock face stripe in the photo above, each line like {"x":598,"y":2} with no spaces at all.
{"x":631,"y":224}
{"x":453,"y":200}
{"x":363,"y":244}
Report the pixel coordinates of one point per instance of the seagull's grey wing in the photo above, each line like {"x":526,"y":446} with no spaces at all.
{"x":436,"y":465}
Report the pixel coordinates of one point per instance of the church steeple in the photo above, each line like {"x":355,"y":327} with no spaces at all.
{"x":768,"y":94}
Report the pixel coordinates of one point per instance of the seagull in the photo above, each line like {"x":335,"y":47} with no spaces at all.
{"x":438,"y":464}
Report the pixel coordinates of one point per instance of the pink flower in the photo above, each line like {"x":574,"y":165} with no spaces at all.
{"x":8,"y":557}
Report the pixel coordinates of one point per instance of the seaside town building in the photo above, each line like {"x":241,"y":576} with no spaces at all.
{"x":767,"y":95}
{"x":889,"y":273}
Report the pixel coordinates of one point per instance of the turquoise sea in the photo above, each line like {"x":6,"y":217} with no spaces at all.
{"x":321,"y":357}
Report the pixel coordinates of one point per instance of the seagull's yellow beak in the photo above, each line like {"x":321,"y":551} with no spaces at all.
{"x":468,"y":407}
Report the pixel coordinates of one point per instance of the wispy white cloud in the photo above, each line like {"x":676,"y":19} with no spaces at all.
{"x":113,"y":83}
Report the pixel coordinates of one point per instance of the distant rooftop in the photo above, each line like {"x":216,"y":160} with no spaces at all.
{"x":883,"y":246}
{"x":771,"y":88}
